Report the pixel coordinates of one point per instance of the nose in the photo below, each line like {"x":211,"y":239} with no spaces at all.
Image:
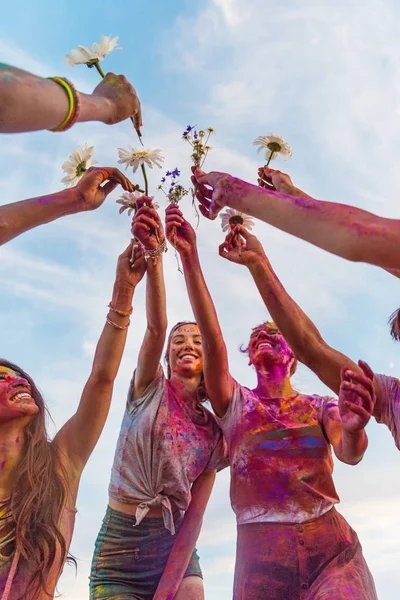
{"x":19,"y":382}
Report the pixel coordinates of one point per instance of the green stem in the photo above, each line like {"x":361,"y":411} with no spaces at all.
{"x":146,"y":183}
{"x":270,"y":158}
{"x":99,"y":69}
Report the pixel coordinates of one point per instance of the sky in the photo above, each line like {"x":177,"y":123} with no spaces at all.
{"x":323,"y":74}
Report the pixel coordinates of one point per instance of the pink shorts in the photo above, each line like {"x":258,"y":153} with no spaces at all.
{"x":317,"y":560}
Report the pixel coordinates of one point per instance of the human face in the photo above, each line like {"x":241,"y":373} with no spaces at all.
{"x":185,"y":351}
{"x":15,"y":396}
{"x":267,"y":346}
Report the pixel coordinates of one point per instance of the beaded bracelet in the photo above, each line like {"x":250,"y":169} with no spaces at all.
{"x":156,"y":251}
{"x":110,"y":322}
{"x":74,"y":109}
{"x":122,"y":313}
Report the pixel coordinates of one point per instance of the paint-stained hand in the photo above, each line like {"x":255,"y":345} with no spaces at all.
{"x":90,"y":193}
{"x":272,"y":179}
{"x":213,"y":191}
{"x":147,"y":226}
{"x":356,"y":397}
{"x":120,"y":98}
{"x":242,"y":247}
{"x":129,"y":274}
{"x":179,"y":232}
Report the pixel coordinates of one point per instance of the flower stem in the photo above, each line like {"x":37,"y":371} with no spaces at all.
{"x":99,"y":69}
{"x":270,"y":158}
{"x":146,"y":183}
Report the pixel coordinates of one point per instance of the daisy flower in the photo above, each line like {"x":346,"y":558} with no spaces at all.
{"x":79,"y":162}
{"x":129,"y":200}
{"x":230,"y":218}
{"x":136,"y":158}
{"x":274,"y":145}
{"x":90,"y":56}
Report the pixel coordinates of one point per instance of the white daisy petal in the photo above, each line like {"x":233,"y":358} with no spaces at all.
{"x":279,"y":146}
{"x":80,"y":161}
{"x":98,"y":51}
{"x":135,"y":157}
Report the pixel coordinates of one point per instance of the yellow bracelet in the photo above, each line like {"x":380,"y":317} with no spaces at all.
{"x":74,"y":104}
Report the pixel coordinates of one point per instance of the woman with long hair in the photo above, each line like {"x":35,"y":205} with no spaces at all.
{"x":168,"y":451}
{"x":292,"y":543}
{"x":39,"y":478}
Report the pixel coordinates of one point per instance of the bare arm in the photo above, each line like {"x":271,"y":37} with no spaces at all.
{"x":145,"y":224}
{"x":88,"y":194}
{"x":296,"y":327}
{"x":78,"y":437}
{"x":185,"y":542}
{"x":218,"y":380}
{"x":31,"y":103}
{"x":344,"y":230}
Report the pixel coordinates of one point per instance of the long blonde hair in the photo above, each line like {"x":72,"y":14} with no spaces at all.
{"x":37,"y":499}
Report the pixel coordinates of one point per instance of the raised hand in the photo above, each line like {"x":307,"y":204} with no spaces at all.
{"x":356,"y":398}
{"x":213,"y":191}
{"x":245,"y":251}
{"x":121,"y":98}
{"x":272,"y":179}
{"x":147,"y":226}
{"x":179,"y":232}
{"x":91,"y":194}
{"x":128,"y":273}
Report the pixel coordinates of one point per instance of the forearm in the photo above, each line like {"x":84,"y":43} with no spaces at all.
{"x":156,"y":307}
{"x":352,"y":447}
{"x":32,"y":103}
{"x":111,"y":344}
{"x":18,"y":217}
{"x":296,"y":327}
{"x":185,"y":542}
{"x":343,"y":230}
{"x":201,"y":302}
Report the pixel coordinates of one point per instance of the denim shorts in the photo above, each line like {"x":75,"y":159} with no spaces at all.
{"x":128,"y":561}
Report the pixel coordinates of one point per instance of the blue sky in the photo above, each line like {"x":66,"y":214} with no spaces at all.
{"x":325,"y":76}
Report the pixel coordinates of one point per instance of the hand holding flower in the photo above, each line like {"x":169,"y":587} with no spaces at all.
{"x":129,"y":274}
{"x":278,"y":181}
{"x":147,"y":227}
{"x":119,"y":99}
{"x":215,"y":190}
{"x":90,"y":191}
{"x":246,"y":251}
{"x":179,"y":231}
{"x":356,"y":398}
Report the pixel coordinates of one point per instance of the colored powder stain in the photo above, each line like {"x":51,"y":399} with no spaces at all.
{"x":17,"y":441}
{"x":2,"y":465}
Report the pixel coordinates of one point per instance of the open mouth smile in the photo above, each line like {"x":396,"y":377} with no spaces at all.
{"x":20,"y":397}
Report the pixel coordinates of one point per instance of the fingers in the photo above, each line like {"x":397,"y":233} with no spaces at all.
{"x":113,"y":174}
{"x":109,"y":187}
{"x":137,"y":119}
{"x":355,"y":377}
{"x":367,"y":369}
{"x":361,"y":392}
{"x":149,"y":211}
{"x":358,"y":410}
{"x":205,"y":212}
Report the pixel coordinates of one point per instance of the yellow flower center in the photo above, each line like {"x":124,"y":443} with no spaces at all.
{"x":274,"y":147}
{"x":81,"y":168}
{"x":140,"y":154}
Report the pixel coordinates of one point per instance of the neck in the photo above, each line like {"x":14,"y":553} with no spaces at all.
{"x":186,"y":386}
{"x":11,"y":448}
{"x":274,"y":382}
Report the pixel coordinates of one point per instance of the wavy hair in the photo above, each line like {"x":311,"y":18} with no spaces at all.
{"x":37,"y":500}
{"x":201,"y":392}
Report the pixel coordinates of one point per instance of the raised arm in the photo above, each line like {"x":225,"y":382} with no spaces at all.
{"x":344,"y":230}
{"x":148,"y":230}
{"x":31,"y":103}
{"x":78,"y":437}
{"x":88,"y":194}
{"x":296,"y":327}
{"x":185,"y":542}
{"x":218,"y":380}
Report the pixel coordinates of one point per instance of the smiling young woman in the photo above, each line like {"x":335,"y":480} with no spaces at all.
{"x":291,"y":541}
{"x":39,"y":479}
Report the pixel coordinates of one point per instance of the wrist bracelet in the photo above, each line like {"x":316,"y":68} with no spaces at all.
{"x":74,"y":109}
{"x":123,"y":313}
{"x":156,"y":251}
{"x":121,"y":327}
